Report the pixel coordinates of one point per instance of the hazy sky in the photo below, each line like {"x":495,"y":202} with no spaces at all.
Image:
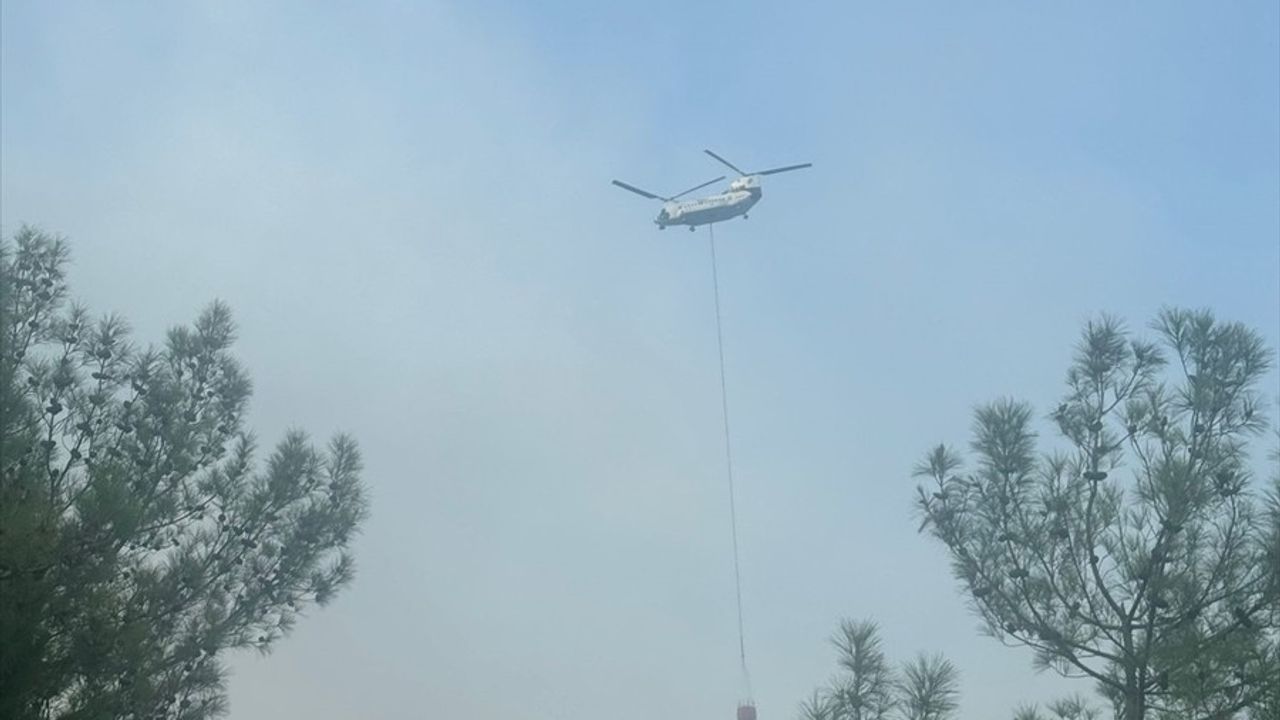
{"x":408,"y":206}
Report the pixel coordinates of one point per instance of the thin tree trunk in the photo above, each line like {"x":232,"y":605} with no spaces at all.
{"x":1135,"y":703}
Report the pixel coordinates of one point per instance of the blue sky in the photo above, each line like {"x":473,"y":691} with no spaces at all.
{"x":407,"y":205}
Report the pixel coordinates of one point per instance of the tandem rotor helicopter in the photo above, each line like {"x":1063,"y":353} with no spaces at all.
{"x":743,"y":193}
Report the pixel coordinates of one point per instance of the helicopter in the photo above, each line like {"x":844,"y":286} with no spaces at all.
{"x":743,"y":193}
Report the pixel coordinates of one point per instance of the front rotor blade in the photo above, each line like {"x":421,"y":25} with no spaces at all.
{"x":686,"y":192}
{"x":784,"y":169}
{"x":726,"y":162}
{"x":636,"y":190}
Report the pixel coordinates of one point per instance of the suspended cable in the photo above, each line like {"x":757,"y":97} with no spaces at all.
{"x":728,"y":458}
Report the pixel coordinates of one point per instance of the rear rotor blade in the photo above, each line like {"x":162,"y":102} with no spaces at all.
{"x":784,"y":169}
{"x":735,"y":168}
{"x":686,"y":192}
{"x":636,"y":190}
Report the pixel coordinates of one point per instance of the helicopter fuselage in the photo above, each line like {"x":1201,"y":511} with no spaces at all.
{"x":710,"y":209}
{"x":743,"y":193}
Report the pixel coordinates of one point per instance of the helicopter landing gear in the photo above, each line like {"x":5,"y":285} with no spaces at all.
{"x":690,"y":228}
{"x":745,"y":216}
{"x":662,"y":227}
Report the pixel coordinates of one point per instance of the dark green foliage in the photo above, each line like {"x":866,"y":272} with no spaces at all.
{"x":868,"y":688}
{"x":1027,"y":712}
{"x":1268,"y":705}
{"x":864,"y":688}
{"x":819,"y":706}
{"x":1139,"y":556}
{"x":137,"y":540}
{"x":928,"y":688}
{"x":1073,"y":708}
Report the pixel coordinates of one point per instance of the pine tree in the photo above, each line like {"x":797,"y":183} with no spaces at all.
{"x":139,"y":542}
{"x":1072,"y":708}
{"x":928,"y":688}
{"x":864,"y":688}
{"x":1138,"y":556}
{"x":868,"y":688}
